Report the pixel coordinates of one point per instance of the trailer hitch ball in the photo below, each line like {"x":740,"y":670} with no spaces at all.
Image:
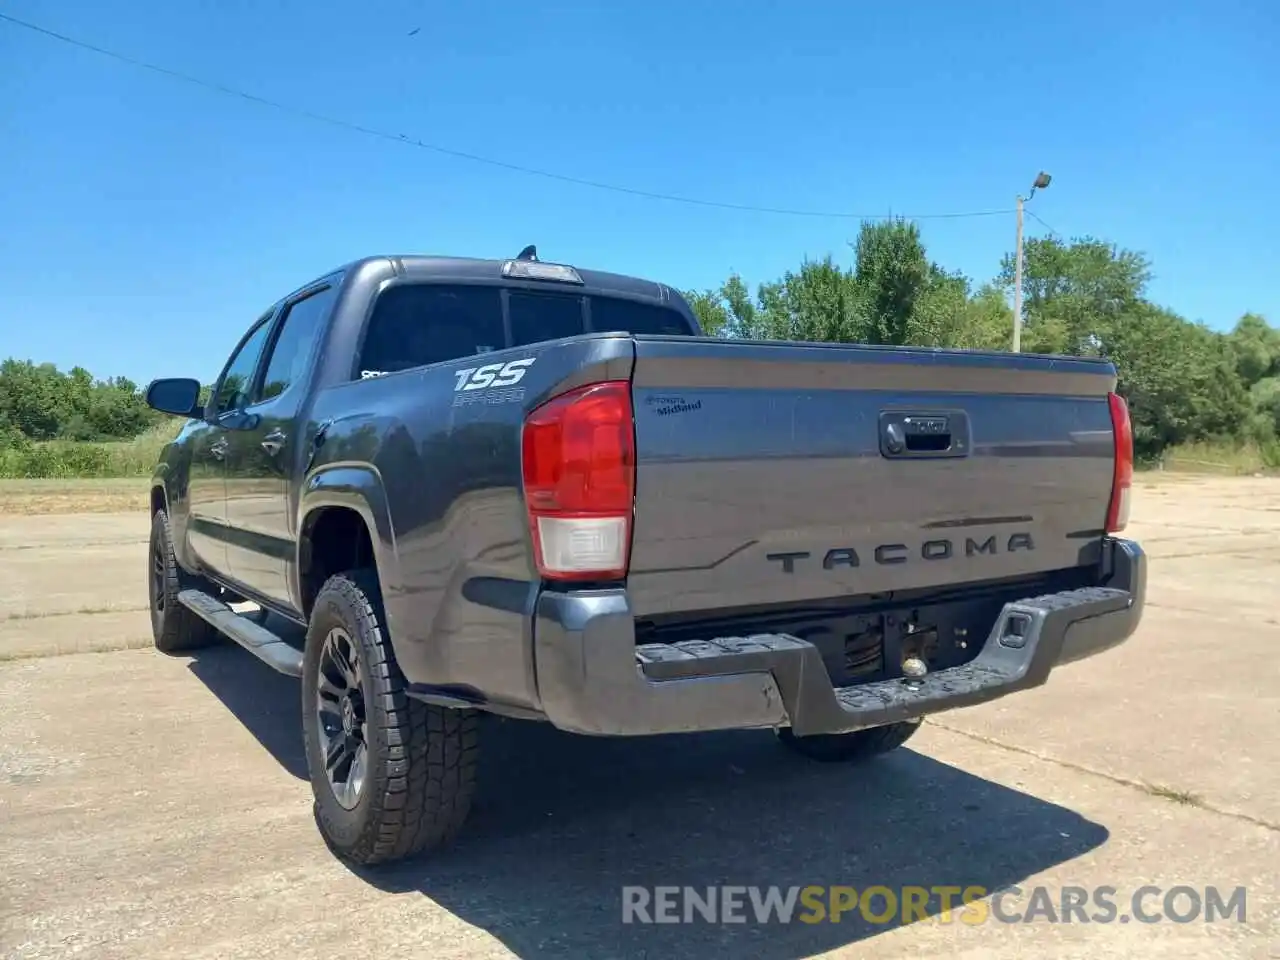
{"x":914,"y":669}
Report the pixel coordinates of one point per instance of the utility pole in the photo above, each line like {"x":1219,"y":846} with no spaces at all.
{"x":1041,"y":181}
{"x":1017,"y":285}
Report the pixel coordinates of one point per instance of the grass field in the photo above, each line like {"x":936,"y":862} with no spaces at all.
{"x":66,"y":477}
{"x":1220,"y":458}
{"x":66,"y":459}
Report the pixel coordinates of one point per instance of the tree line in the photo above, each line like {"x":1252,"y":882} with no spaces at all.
{"x":1184,"y":382}
{"x":41,"y":402}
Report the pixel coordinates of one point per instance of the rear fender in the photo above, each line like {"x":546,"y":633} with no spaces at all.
{"x":356,"y":487}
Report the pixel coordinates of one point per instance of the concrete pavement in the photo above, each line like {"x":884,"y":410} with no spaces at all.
{"x":156,"y":807}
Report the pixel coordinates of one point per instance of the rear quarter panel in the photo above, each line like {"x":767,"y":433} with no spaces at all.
{"x":458,"y":580}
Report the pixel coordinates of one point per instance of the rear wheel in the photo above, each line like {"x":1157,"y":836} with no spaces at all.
{"x":173,"y":627}
{"x":392,"y":777}
{"x":851,"y":747}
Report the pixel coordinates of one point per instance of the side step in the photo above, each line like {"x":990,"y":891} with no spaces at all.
{"x":259,"y":641}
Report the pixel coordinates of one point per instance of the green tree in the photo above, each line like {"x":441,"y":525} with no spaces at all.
{"x":713,"y":316}
{"x":1265,"y":396}
{"x":819,"y":302}
{"x":892,"y":274}
{"x":1177,"y":377}
{"x":1255,"y":345}
{"x":742,"y":309}
{"x":987,"y":323}
{"x":43,"y":403}
{"x":1072,"y":291}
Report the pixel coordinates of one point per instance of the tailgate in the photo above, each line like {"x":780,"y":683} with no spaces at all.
{"x":776,"y":473}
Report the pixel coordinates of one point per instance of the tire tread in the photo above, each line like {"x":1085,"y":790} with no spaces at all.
{"x":180,"y":630}
{"x":423,"y":785}
{"x":855,"y":747}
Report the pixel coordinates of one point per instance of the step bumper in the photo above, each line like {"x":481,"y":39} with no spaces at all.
{"x":593,"y":679}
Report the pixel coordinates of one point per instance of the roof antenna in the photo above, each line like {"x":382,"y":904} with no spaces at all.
{"x":528,"y":253}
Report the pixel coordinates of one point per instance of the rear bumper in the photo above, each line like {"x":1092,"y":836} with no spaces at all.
{"x":593,"y":679}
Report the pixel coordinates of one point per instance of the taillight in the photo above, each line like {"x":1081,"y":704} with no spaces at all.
{"x":1122,"y":479}
{"x":579,"y":468}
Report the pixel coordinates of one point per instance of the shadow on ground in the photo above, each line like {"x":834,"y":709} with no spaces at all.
{"x":269,"y":704}
{"x":563,"y":823}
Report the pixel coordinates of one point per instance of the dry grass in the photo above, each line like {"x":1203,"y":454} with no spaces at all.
{"x":79,"y":611}
{"x":1221,"y":459}
{"x":73,"y":496}
{"x":1184,"y":797}
{"x":88,"y":644}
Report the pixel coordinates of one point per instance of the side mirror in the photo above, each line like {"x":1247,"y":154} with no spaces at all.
{"x":179,"y":396}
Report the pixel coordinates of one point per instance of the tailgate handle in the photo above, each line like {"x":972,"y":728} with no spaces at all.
{"x":919,"y":434}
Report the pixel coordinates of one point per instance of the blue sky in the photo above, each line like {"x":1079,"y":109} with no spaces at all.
{"x":145,"y":221}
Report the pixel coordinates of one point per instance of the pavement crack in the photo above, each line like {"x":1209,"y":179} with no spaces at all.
{"x":71,"y":545}
{"x":1191,"y":555}
{"x":1183,"y":798}
{"x":83,"y":611}
{"x":1161,"y":605}
{"x":26,"y":656}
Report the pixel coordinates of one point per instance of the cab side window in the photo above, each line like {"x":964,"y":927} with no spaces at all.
{"x":237,"y":381}
{"x":292,"y":349}
{"x":414,"y":325}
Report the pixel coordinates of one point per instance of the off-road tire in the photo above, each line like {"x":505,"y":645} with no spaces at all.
{"x":851,"y":747}
{"x":420,"y":759}
{"x":174,"y":628}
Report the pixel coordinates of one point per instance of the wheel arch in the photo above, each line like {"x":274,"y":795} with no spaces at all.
{"x":160,"y":500}
{"x":159,"y":497}
{"x":344,"y":523}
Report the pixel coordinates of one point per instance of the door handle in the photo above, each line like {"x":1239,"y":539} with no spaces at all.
{"x":219,"y":449}
{"x":273,"y":442}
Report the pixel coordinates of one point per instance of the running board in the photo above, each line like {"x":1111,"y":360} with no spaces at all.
{"x":259,"y":641}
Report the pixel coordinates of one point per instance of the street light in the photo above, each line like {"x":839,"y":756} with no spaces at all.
{"x":1040,"y":183}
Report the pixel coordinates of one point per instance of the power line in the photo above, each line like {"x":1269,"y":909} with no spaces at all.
{"x":465,"y":155}
{"x":1040,"y":220}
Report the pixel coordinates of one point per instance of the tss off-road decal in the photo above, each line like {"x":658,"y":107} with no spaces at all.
{"x":493,"y":375}
{"x":492,"y":383}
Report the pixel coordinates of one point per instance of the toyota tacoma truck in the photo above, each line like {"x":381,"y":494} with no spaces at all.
{"x":520,"y":488}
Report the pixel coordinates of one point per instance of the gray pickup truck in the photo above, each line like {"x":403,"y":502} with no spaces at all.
{"x":519,"y":488}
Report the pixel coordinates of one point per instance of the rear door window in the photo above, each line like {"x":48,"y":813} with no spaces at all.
{"x":418,"y":324}
{"x":414,"y":325}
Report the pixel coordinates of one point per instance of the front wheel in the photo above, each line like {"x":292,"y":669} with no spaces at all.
{"x":392,"y":777}
{"x":851,"y":747}
{"x":174,"y":628}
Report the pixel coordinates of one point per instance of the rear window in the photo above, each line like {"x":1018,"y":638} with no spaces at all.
{"x":418,"y":324}
{"x":536,"y":317}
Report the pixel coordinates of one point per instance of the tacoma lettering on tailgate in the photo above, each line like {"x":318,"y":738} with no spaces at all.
{"x":891,"y":553}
